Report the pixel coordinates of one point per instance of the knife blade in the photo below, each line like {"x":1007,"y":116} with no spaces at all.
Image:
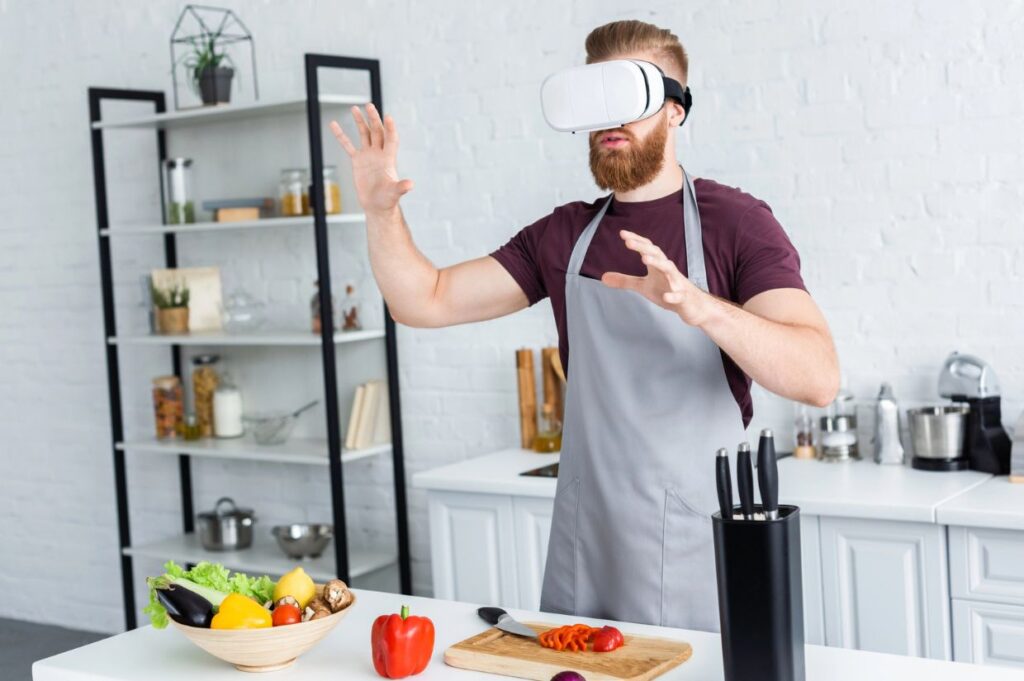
{"x":768,"y":474}
{"x":500,"y":619}
{"x":745,"y":481}
{"x":724,"y":482}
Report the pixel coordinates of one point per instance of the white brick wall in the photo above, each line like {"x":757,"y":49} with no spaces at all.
{"x":886,"y":137}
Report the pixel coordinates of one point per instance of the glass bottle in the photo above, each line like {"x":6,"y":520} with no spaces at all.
{"x":168,"y":406}
{"x":803,"y":434}
{"x":351,"y":320}
{"x":204,"y":382}
{"x":227,"y":409}
{"x":549,"y":431}
{"x":332,"y":190}
{"x":178,"y":191}
{"x":292,"y":192}
{"x":314,"y":309}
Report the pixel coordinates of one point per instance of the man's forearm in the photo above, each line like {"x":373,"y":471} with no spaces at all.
{"x":794,"y":361}
{"x":406,"y":278}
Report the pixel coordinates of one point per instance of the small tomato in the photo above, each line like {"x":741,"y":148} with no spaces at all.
{"x":286,"y":613}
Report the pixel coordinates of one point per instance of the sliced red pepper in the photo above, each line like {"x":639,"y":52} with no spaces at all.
{"x":607,"y":639}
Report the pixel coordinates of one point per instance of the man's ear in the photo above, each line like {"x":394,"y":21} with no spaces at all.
{"x":676,"y":113}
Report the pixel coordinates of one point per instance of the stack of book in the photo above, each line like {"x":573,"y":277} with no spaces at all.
{"x":369,"y":422}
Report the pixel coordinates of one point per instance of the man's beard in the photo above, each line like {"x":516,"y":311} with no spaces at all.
{"x":622,"y":170}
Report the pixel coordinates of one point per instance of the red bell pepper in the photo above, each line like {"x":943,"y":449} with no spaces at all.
{"x":607,"y":639}
{"x":402,"y":645}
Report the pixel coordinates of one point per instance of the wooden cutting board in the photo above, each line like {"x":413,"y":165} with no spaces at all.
{"x":494,"y":651}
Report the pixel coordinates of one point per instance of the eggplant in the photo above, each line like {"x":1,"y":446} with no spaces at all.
{"x":185,"y":606}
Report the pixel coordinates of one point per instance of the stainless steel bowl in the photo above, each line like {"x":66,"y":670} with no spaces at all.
{"x":303,"y":540}
{"x":227,"y":527}
{"x":938,"y":432}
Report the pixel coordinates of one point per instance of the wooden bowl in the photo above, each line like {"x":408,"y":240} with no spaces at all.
{"x":263,"y":650}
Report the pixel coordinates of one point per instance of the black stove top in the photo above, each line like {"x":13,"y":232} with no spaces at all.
{"x":549,"y":471}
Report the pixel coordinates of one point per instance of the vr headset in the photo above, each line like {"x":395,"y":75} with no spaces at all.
{"x":607,"y":95}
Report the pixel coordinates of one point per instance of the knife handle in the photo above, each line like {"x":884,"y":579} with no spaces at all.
{"x":490,"y":615}
{"x":768,"y":474}
{"x":745,"y":481}
{"x":724,"y":483}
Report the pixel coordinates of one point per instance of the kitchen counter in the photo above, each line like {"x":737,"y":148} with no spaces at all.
{"x":860,"y":489}
{"x":997,"y":503}
{"x":344,"y":654}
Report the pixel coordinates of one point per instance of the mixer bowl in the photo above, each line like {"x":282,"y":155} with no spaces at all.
{"x":938,"y":432}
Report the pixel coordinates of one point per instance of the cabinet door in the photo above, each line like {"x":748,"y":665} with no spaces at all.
{"x":810,"y":568}
{"x":987,"y":564}
{"x":988,"y":633}
{"x":471,"y":548}
{"x":885,"y":587}
{"x":533,"y":526}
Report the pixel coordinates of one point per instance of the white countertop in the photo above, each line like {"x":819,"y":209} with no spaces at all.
{"x":146,"y":653}
{"x":996,"y":503}
{"x":858,"y":489}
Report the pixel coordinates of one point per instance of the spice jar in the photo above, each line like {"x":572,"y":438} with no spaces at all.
{"x":204,"y":383}
{"x":332,"y":190}
{"x":168,"y":406}
{"x":314,"y":309}
{"x":227,"y":409}
{"x":293,"y":193}
{"x":803,"y":434}
{"x":350,"y":306}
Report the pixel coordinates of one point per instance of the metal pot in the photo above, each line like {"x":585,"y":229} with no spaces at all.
{"x":227,"y":527}
{"x":938,"y":432}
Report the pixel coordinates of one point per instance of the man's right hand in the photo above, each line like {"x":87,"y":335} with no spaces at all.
{"x":373,"y":163}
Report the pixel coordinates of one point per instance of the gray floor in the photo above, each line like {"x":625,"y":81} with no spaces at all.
{"x":22,"y":643}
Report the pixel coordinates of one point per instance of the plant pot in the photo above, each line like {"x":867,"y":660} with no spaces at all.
{"x":172,"y":320}
{"x":215,"y":85}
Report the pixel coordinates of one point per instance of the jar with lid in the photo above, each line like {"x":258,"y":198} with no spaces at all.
{"x":314,"y":309}
{"x":168,"y":406}
{"x":332,"y":190}
{"x":178,"y":191}
{"x":293,"y":192}
{"x":227,"y":408}
{"x":351,"y":320}
{"x":205,"y":377}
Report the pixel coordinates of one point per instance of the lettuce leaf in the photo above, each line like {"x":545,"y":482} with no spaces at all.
{"x":212,"y":581}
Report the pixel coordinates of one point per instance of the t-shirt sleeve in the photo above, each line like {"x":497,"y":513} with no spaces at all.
{"x":521,"y":257}
{"x":766,"y":259}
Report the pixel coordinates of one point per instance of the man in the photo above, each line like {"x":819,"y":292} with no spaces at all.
{"x":669,"y":297}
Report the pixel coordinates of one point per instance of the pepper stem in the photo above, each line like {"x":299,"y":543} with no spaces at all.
{"x":405,"y":611}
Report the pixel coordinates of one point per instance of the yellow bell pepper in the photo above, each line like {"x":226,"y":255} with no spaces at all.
{"x":241,"y":612}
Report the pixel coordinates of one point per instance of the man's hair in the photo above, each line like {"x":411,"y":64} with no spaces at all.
{"x":622,"y":37}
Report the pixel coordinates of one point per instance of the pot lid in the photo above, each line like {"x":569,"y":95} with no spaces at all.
{"x":226,"y":508}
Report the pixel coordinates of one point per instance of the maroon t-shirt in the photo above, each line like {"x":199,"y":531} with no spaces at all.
{"x":746,"y":252}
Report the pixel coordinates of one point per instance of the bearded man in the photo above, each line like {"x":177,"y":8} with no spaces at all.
{"x":670,"y":295}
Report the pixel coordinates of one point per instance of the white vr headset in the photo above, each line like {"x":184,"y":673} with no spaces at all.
{"x":607,"y":95}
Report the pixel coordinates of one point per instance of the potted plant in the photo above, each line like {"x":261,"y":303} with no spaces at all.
{"x":210,"y":70}
{"x":171,"y":308}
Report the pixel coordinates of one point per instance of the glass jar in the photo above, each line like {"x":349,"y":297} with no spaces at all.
{"x":168,"y":406}
{"x":549,"y":431}
{"x":351,"y":320}
{"x":332,"y":190}
{"x":190,"y":429}
{"x":178,"y":191}
{"x":314,"y":309}
{"x":205,"y":378}
{"x":293,"y":193}
{"x":803,"y":434}
{"x":227,"y":409}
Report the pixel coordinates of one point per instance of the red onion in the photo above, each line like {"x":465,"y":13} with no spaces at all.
{"x":568,"y":676}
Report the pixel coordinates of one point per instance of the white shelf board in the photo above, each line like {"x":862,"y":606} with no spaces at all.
{"x":258,"y":338}
{"x":263,"y":557}
{"x":226,"y":112}
{"x":300,"y":221}
{"x":296,"y":450}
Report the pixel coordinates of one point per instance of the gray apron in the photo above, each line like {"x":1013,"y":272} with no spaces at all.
{"x":647,"y":406}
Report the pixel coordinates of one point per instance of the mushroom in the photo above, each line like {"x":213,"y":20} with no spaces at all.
{"x":316,"y":609}
{"x":286,"y":600}
{"x":337,"y":595}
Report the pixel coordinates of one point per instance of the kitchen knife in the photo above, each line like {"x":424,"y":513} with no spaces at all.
{"x":768,"y":475}
{"x":500,"y":619}
{"x":745,"y":480}
{"x":724,"y":483}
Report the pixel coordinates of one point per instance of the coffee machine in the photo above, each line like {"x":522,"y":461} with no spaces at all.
{"x":968,"y":379}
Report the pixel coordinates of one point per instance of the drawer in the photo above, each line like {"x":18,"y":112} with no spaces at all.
{"x":988,"y":633}
{"x":986,"y":564}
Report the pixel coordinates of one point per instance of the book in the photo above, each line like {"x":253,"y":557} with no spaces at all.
{"x":382,"y":424}
{"x":371,"y":404}
{"x":216,"y":204}
{"x":353,"y":417}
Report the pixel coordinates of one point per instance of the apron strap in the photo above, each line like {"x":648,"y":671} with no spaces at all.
{"x":695,"y":266}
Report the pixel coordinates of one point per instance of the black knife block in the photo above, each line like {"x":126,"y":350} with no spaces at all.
{"x":760,"y":596}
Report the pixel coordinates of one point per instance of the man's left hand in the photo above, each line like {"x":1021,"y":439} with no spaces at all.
{"x":663,"y":284}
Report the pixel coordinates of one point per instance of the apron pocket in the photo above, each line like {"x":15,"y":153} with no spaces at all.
{"x":559,"y":591}
{"x":689,"y":589}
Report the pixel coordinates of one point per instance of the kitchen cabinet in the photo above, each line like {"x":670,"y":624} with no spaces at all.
{"x":472,"y":548}
{"x":885,"y":586}
{"x":533,"y":526}
{"x":810,"y":573}
{"x":988,"y":633}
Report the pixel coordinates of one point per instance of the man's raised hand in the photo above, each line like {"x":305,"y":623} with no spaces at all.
{"x":373,"y":163}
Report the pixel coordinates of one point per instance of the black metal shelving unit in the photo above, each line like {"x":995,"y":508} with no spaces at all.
{"x":313,"y":64}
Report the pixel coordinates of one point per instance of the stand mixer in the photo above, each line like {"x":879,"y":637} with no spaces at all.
{"x":968,"y":379}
